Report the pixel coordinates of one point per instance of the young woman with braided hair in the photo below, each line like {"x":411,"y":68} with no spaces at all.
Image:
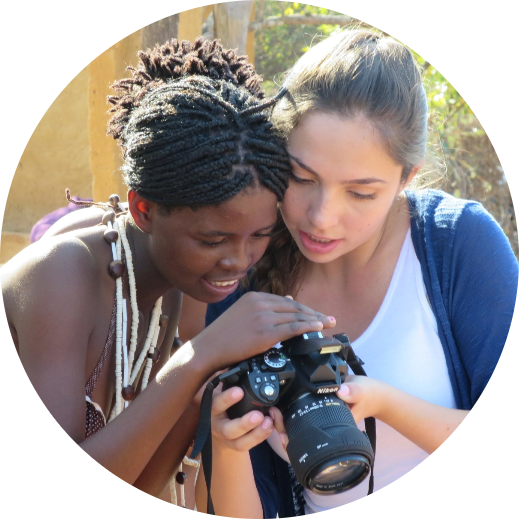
{"x":205,"y":171}
{"x":424,"y":284}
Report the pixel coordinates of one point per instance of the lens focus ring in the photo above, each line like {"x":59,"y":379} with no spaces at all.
{"x":324,"y":412}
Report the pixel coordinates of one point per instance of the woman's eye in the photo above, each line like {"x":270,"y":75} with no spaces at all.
{"x":361,"y":196}
{"x":300,"y":180}
{"x":213,"y":243}
{"x":262,"y":235}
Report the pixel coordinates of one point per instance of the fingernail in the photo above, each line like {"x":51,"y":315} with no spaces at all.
{"x":344,"y":390}
{"x":256,"y":418}
{"x":284,"y":440}
{"x":267,"y":424}
{"x":236,"y":393}
{"x":271,"y":413}
{"x":332,"y":319}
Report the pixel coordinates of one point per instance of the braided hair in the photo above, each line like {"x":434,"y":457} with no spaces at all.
{"x":193,"y":127}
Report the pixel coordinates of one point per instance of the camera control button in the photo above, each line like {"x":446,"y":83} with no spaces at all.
{"x":258,"y":380}
{"x":269,"y":392}
{"x":273,"y":377}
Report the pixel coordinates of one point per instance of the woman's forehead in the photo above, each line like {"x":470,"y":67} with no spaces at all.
{"x":252,"y":209}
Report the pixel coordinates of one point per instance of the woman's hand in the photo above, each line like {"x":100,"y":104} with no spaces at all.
{"x":364,"y":395}
{"x":425,"y":424}
{"x":255,"y":323}
{"x":232,"y":473}
{"x":240,"y":434}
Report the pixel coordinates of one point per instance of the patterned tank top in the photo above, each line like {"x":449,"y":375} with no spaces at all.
{"x":95,"y":419}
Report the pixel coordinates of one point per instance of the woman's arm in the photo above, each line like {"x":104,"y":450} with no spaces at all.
{"x":233,"y":487}
{"x":425,"y":424}
{"x":51,"y":305}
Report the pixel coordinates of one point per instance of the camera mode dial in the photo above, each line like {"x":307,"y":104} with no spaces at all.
{"x":275,"y":360}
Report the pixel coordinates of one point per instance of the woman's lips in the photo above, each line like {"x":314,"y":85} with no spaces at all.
{"x":222,"y":287}
{"x":317,"y":244}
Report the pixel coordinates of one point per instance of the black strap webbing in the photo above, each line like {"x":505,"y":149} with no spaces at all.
{"x":355,"y":363}
{"x":203,"y":439}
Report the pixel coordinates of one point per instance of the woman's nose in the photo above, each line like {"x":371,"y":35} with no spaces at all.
{"x":323,"y":212}
{"x":238,"y":260}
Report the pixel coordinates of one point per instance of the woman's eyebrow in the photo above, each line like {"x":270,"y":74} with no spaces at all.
{"x":303,"y":165}
{"x":218,"y":234}
{"x":357,"y":181}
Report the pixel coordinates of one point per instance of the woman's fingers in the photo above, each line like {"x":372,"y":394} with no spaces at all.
{"x":258,"y":321}
{"x":277,"y":418}
{"x":235,"y":429}
{"x":242,"y":433}
{"x":293,"y":307}
{"x":226,"y":399}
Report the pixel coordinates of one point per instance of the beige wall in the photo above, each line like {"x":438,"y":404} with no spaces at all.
{"x":56,"y":157}
{"x":105,"y":155}
{"x":69,"y":147}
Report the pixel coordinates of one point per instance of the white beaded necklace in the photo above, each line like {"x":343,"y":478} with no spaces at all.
{"x":115,"y":234}
{"x":126,"y":370}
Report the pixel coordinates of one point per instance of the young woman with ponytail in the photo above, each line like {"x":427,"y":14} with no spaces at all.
{"x":424,"y":284}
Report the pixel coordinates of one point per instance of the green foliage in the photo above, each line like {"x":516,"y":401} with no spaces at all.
{"x":459,"y":145}
{"x":278,"y":48}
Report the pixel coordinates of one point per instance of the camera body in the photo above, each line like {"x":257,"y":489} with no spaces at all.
{"x":328,"y":453}
{"x":309,"y":363}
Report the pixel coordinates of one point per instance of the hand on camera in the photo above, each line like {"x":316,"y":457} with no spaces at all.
{"x":253,"y":324}
{"x":240,"y":434}
{"x":364,"y":396}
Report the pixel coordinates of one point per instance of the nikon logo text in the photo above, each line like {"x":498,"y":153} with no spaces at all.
{"x":327,"y":390}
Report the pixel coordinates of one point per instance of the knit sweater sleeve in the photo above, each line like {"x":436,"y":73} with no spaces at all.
{"x":483,"y":288}
{"x":470,"y":274}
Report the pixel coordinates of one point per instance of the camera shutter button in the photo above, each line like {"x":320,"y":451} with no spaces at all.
{"x":268,"y":392}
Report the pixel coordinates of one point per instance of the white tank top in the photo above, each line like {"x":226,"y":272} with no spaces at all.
{"x":400,"y":347}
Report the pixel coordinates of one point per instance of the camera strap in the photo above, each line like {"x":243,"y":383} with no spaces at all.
{"x":355,"y":363}
{"x":203,"y":439}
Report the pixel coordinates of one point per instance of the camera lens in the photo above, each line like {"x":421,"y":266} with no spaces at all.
{"x":328,"y":453}
{"x":343,"y":473}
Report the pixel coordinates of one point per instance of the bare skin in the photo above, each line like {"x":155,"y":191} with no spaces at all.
{"x":59,"y":296}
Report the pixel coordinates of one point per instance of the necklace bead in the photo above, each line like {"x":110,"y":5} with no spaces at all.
{"x":108,"y":216}
{"x":154,"y":356}
{"x":115,"y":234}
{"x":114,"y":200}
{"x":128,"y":393}
{"x":111,"y":235}
{"x":116,"y":269}
{"x":181,"y":478}
{"x":163,"y":321}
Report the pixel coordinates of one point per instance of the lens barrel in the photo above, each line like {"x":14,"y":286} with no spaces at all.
{"x":328,"y":453}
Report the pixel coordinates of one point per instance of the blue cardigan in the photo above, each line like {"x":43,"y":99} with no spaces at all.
{"x":470,"y":275}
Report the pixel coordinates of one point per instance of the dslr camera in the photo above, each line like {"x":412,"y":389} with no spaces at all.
{"x":327,"y":451}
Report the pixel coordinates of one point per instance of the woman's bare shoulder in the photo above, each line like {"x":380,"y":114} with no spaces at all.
{"x":75,"y":220}
{"x":44,"y":275}
{"x":80,"y":219}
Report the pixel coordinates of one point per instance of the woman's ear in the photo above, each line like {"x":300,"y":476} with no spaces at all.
{"x":140,"y":210}
{"x":412,"y":175}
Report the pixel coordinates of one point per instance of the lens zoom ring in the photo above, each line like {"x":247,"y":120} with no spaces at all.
{"x":332,"y":413}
